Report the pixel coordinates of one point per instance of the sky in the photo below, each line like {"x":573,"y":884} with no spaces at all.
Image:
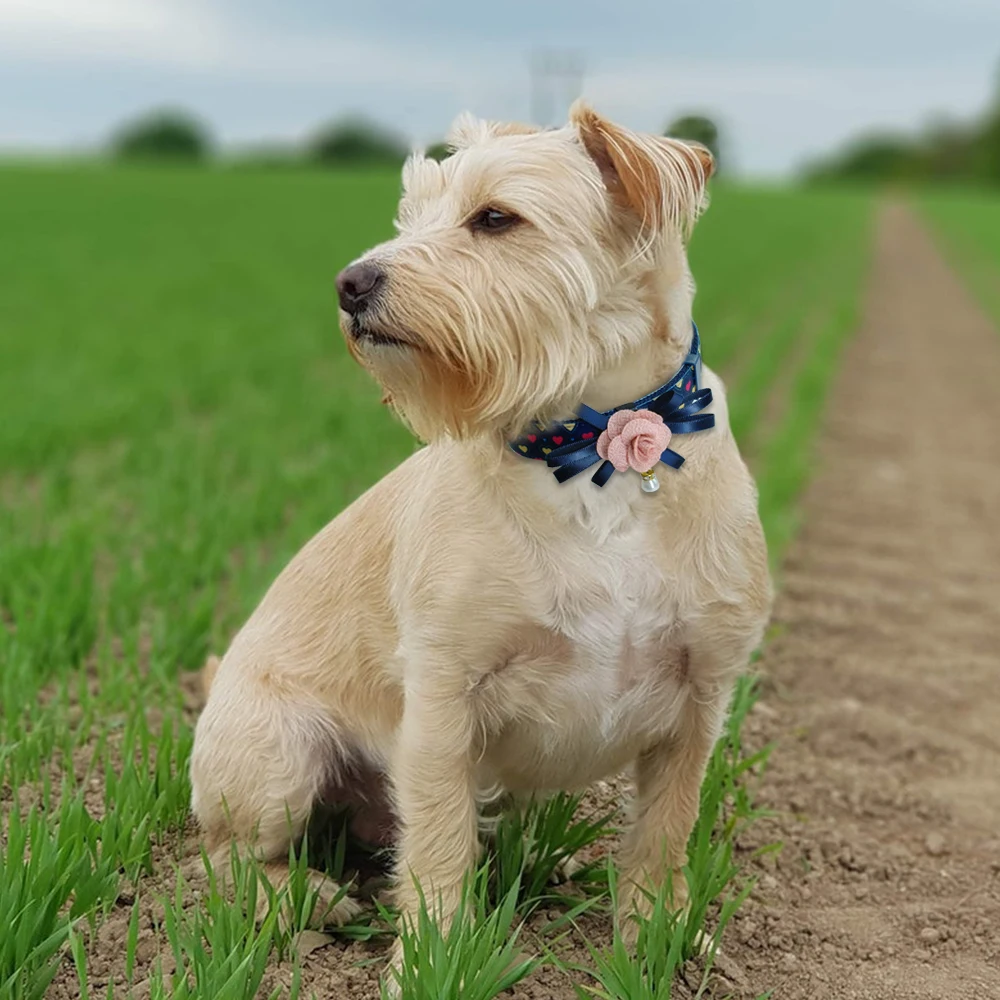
{"x":785,"y":79}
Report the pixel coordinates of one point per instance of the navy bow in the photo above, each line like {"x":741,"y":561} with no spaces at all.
{"x":679,"y":402}
{"x":680,"y":412}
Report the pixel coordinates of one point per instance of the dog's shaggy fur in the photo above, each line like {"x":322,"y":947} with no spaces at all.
{"x":469,"y":625}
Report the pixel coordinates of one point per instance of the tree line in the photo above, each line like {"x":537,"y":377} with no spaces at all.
{"x":179,"y":137}
{"x":946,"y":150}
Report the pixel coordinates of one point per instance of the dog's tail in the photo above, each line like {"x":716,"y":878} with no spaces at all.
{"x":208,"y":673}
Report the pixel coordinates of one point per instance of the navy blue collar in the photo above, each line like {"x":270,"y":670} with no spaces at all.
{"x":569,"y":447}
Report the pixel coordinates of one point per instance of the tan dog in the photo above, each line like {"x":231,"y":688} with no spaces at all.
{"x":469,"y":624}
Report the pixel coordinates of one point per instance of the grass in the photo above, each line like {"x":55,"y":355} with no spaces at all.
{"x":177,"y":416}
{"x":646,"y":969}
{"x":475,"y":958}
{"x":533,"y":846}
{"x":968,"y":223}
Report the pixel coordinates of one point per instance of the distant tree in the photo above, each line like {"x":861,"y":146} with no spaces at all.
{"x":357,"y":142}
{"x":438,"y":151}
{"x":698,"y":128}
{"x":163,"y":135}
{"x":946,"y":151}
{"x":987,"y":157}
{"x":987,"y":152}
{"x":874,"y":157}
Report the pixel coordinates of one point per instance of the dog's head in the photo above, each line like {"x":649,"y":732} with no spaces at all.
{"x":523,"y":267}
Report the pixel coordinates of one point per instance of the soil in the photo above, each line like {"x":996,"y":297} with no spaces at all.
{"x":883,"y":685}
{"x":881,"y":693}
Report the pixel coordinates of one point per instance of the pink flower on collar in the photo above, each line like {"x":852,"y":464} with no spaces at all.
{"x":634,"y":439}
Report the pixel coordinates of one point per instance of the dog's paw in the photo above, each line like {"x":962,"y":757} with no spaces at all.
{"x":637,"y":899}
{"x":566,"y":869}
{"x":392,"y":976}
{"x":334,"y":907}
{"x":635,"y":906}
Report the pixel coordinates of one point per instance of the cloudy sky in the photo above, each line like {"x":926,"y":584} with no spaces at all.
{"x":785,"y":78}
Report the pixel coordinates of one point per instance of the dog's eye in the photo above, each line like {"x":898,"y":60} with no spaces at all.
{"x":493,"y":219}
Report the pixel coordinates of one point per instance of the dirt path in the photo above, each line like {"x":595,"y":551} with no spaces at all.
{"x":883,"y":688}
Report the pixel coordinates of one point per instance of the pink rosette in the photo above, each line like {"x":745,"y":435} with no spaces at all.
{"x":634,"y":439}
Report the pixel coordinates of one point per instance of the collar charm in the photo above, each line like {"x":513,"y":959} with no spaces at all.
{"x":634,"y":436}
{"x":635,"y":439}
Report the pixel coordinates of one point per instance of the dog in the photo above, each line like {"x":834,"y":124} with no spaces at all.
{"x":479,"y":622}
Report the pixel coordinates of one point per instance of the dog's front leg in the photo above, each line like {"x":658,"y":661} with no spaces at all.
{"x":433,"y":775}
{"x":668,"y":779}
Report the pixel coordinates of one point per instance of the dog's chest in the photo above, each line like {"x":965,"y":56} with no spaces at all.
{"x":606,"y":679}
{"x":617,"y":607}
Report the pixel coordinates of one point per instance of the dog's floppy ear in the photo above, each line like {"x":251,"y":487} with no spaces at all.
{"x":661,"y":180}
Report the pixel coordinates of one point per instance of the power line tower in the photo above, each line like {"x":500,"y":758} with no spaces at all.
{"x":556,"y":81}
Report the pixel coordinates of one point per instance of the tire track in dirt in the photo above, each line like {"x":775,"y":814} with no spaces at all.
{"x":882,"y":689}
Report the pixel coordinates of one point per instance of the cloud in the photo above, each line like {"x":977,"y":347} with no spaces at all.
{"x":875,"y":89}
{"x":100,"y":29}
{"x":179,"y":35}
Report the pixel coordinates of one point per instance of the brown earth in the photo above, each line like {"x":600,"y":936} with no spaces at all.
{"x":882,"y":694}
{"x":883,"y":686}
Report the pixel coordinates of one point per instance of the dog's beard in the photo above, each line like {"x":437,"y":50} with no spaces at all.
{"x":449,"y":381}
{"x":461,"y":354}
{"x":365,"y":331}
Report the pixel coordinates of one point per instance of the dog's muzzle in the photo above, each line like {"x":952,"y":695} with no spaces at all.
{"x":358,"y":287}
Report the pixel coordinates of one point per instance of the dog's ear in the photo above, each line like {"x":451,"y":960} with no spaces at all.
{"x":704,"y":154}
{"x":661,"y":180}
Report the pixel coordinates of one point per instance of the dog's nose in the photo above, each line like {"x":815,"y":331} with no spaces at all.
{"x":357,"y":285}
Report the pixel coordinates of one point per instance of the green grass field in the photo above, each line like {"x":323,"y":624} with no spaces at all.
{"x":178,"y":415}
{"x":969,"y":226}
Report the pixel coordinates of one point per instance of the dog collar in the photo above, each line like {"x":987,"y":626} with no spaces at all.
{"x":569,"y":447}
